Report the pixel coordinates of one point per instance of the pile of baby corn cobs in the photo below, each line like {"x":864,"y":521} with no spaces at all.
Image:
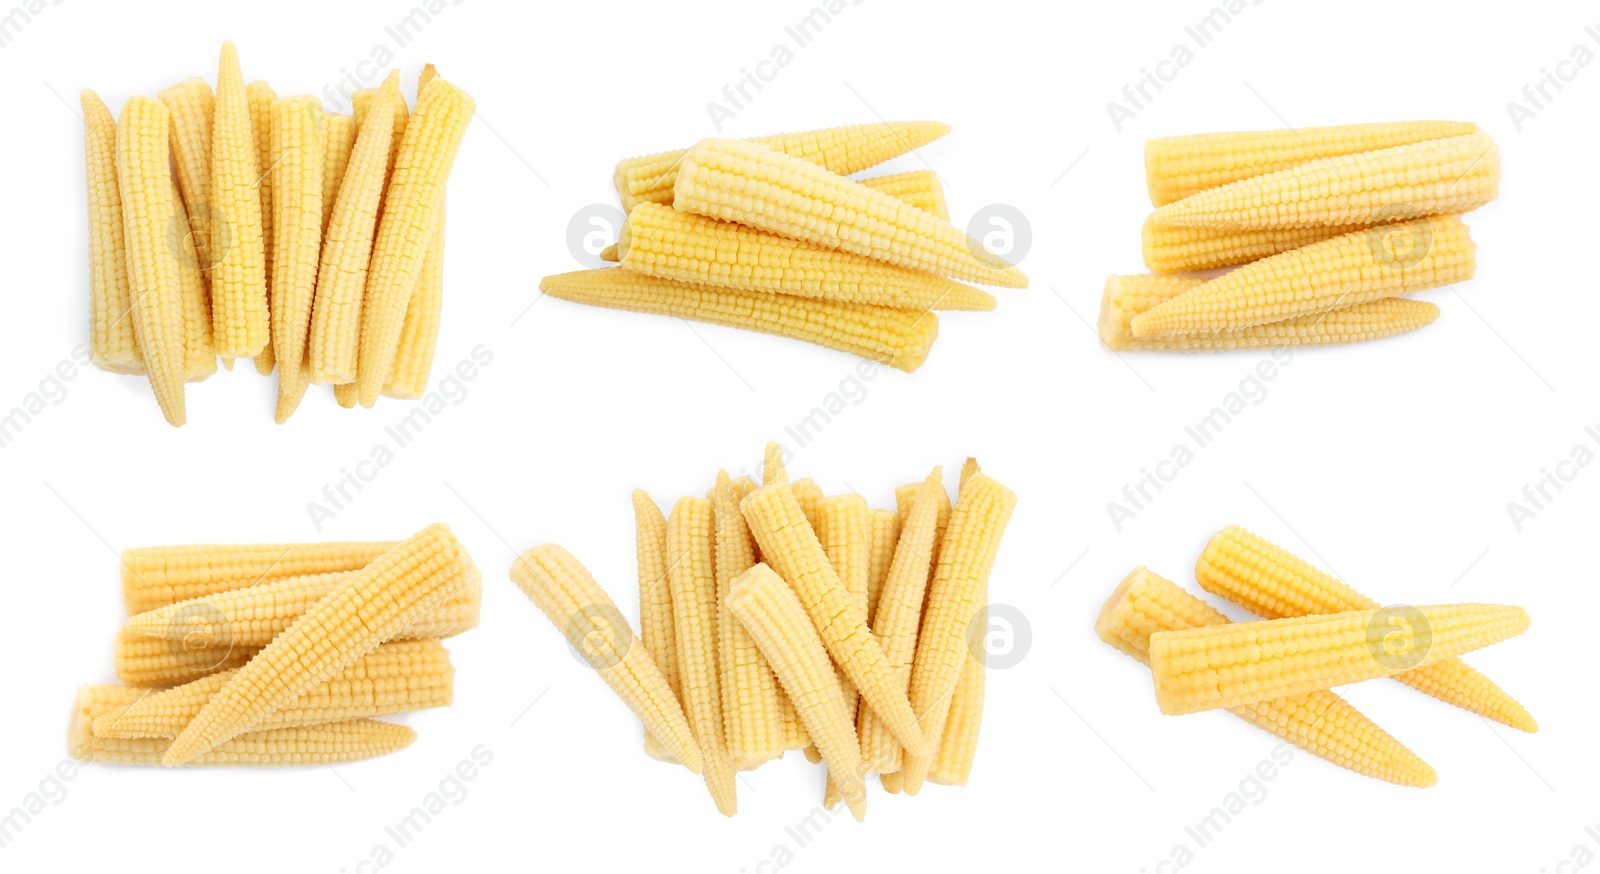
{"x":1318,"y":633}
{"x":775,"y":618}
{"x":310,"y":241}
{"x":278,"y":654}
{"x":1327,"y":228}
{"x":768,"y":235}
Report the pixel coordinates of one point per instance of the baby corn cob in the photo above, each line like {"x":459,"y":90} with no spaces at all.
{"x":394,"y":678}
{"x":1321,"y":723}
{"x":152,"y":661}
{"x":347,"y":246}
{"x":338,"y":141}
{"x":260,"y":97}
{"x":885,"y":533}
{"x":149,"y":212}
{"x":562,"y":588}
{"x":656,"y":631}
{"x":297,"y":154}
{"x":1433,"y":177}
{"x":661,"y":241}
{"x":1177,"y":249}
{"x":843,"y":150}
{"x":111,"y":342}
{"x":238,"y":280}
{"x":781,"y":627}
{"x":419,"y":333}
{"x":845,"y":532}
{"x":958,"y":742}
{"x":191,"y":105}
{"x":753,"y":185}
{"x":1176,"y":167}
{"x":1271,"y":582}
{"x":1127,"y":296}
{"x":898,"y":338}
{"x":351,"y":621}
{"x":920,"y":188}
{"x":199,"y":344}
{"x":751,"y":715}
{"x":790,"y":547}
{"x":609,"y":253}
{"x":411,"y":208}
{"x":1203,"y":668}
{"x":155,"y":576}
{"x":327,"y":743}
{"x":1355,"y":268}
{"x":693,"y":582}
{"x":773,"y":469}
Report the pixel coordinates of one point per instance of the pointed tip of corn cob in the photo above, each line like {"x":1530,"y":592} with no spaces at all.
{"x":772,"y":469}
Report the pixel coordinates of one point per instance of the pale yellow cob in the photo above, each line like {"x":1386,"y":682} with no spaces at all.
{"x":693,"y":582}
{"x":1273,"y":583}
{"x":843,"y":150}
{"x":1126,"y":297}
{"x":920,"y":188}
{"x":1204,"y":668}
{"x":955,"y":596}
{"x":845,"y":532}
{"x":958,"y":741}
{"x":1177,"y":249}
{"x":419,"y":334}
{"x":779,"y":623}
{"x":750,"y":184}
{"x":338,"y":141}
{"x":298,"y":154}
{"x":151,"y":661}
{"x":411,"y":208}
{"x":897,"y":338}
{"x":1321,"y":723}
{"x":322,"y":744}
{"x":155,"y":576}
{"x":1355,"y":268}
{"x":111,"y":342}
{"x":751,"y":715}
{"x":656,"y":631}
{"x":361,"y":101}
{"x":260,"y":97}
{"x":360,"y":613}
{"x":199,"y":344}
{"x":610,"y":253}
{"x":238,"y":279}
{"x":1176,"y":167}
{"x":191,"y":105}
{"x":661,"y":241}
{"x":773,"y":469}
{"x":1433,"y":177}
{"x":394,"y":678}
{"x":564,"y":591}
{"x":149,"y":213}
{"x":885,"y":534}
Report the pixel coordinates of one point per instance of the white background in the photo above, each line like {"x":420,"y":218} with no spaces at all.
{"x":1390,"y":463}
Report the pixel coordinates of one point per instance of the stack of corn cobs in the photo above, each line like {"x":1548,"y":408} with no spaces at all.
{"x":278,"y":654}
{"x":777,"y":619}
{"x":1317,"y":633}
{"x":768,"y":235}
{"x":310,"y":241}
{"x":1332,"y":226}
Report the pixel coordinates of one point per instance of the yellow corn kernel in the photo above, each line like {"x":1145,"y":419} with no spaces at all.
{"x":394,"y":678}
{"x":693,"y":581}
{"x":1177,"y":249}
{"x":238,"y":279}
{"x":955,"y":599}
{"x":322,"y":744}
{"x":751,"y":714}
{"x":899,"y":613}
{"x":1176,"y":167}
{"x":338,"y":141}
{"x":360,"y":613}
{"x":610,"y":253}
{"x":111,"y":342}
{"x":191,"y":105}
{"x":790,"y":547}
{"x":408,"y":378}
{"x":297,"y":155}
{"x":845,"y":531}
{"x":1321,"y":723}
{"x":260,"y":97}
{"x":773,"y":469}
{"x":843,"y":150}
{"x":885,"y":533}
{"x":958,"y":742}
{"x":897,"y":338}
{"x":1433,"y":177}
{"x":750,"y":184}
{"x":347,"y":246}
{"x":1355,"y":268}
{"x":894,"y":782}
{"x":656,"y":631}
{"x":150,"y":661}
{"x":1126,"y":297}
{"x":779,"y":623}
{"x":1204,"y":668}
{"x":361,"y":102}
{"x":411,"y":209}
{"x":1273,"y":583}
{"x":661,"y":241}
{"x":155,"y":576}
{"x":920,"y":188}
{"x":149,"y":214}
{"x":564,"y":590}
{"x":199,"y":345}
